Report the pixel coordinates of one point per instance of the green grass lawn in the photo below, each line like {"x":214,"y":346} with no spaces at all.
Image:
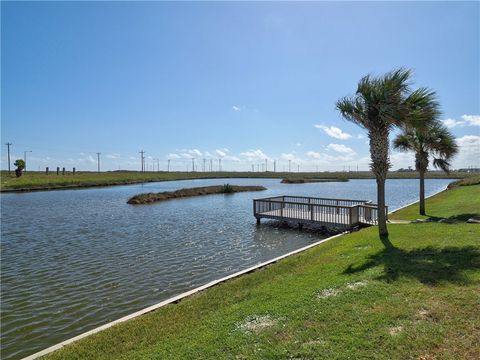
{"x":414,"y":296}
{"x":38,"y":180}
{"x":457,"y":204}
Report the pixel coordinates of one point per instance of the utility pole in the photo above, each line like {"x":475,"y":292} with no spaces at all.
{"x":193,"y":164}
{"x":158,"y":165}
{"x":8,"y":151}
{"x":25,"y":159}
{"x":289,"y":165}
{"x":98,"y":162}
{"x":168,"y":165}
{"x":142,"y":159}
{"x":274,"y":165}
{"x":211,"y":165}
{"x":298,"y":168}
{"x":203,"y":169}
{"x":266,"y":165}
{"x":219,"y":165}
{"x":253,"y":168}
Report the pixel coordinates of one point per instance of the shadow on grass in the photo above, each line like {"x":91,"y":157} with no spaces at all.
{"x":454,"y":219}
{"x":429,"y":265}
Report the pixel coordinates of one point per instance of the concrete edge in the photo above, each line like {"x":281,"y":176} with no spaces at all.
{"x":175,"y":299}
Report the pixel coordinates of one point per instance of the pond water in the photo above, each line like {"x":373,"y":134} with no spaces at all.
{"x":75,"y":259}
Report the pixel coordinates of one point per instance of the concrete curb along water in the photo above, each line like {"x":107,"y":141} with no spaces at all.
{"x":174,"y":299}
{"x":179,"y":297}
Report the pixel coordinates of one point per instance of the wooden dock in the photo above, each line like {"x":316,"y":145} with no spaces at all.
{"x":330,"y":213}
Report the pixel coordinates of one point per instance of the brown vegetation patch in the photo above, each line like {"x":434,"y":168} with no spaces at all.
{"x":149,"y":198}
{"x":257,"y":323}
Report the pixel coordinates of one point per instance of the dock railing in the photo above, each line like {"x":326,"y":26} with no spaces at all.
{"x":339,"y":212}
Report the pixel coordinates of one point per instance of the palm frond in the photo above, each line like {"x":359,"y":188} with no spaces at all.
{"x":421,"y":108}
{"x":403,"y":142}
{"x":443,"y":164}
{"x":352,"y":110}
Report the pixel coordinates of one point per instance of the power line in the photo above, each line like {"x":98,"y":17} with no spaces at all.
{"x":98,"y":162}
{"x":25,"y":159}
{"x":142,"y":159}
{"x":8,"y":151}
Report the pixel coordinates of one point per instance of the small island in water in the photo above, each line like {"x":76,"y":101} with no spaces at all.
{"x":308,"y":180}
{"x":149,"y":198}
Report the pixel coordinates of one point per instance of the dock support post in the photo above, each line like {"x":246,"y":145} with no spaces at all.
{"x":258,"y":221}
{"x":300,"y":226}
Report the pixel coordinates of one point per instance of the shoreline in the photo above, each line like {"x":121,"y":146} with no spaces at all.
{"x":180,"y":297}
{"x":176,"y":299}
{"x":96,"y":183}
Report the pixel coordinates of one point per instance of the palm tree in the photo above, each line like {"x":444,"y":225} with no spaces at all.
{"x":379,"y":104}
{"x":433,"y":140}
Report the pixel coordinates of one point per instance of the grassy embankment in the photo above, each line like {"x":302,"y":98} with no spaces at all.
{"x":460,"y":203}
{"x":414,"y":296}
{"x":149,"y":198}
{"x":33,"y":180}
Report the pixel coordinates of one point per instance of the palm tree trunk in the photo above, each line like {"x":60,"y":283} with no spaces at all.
{"x":422,"y":192}
{"x":382,"y":220}
{"x":380,"y":165}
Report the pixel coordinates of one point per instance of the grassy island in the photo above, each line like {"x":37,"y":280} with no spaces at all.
{"x":414,"y":296}
{"x":149,"y":198}
{"x":308,"y":180}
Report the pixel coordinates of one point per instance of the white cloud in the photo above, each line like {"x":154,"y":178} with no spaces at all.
{"x":334,"y":132}
{"x":255,"y":155}
{"x":112,"y":156}
{"x":332,"y":159}
{"x":195,"y":152}
{"x":400,"y":159}
{"x":340,"y":148}
{"x":220,"y":153}
{"x":472,"y":120}
{"x":451,"y":123}
{"x":469,"y":151}
{"x":360,"y":136}
{"x":291,"y":157}
{"x":467,"y":120}
{"x":236,"y":108}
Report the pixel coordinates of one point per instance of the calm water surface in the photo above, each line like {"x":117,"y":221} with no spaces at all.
{"x":75,"y":259}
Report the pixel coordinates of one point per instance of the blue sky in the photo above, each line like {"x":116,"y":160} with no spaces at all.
{"x":237,"y":81}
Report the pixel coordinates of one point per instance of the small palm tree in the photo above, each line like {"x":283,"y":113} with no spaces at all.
{"x":433,"y":140}
{"x":20,"y":164}
{"x":378,"y":105}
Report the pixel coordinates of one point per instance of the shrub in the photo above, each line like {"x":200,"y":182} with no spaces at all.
{"x":227,"y":189}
